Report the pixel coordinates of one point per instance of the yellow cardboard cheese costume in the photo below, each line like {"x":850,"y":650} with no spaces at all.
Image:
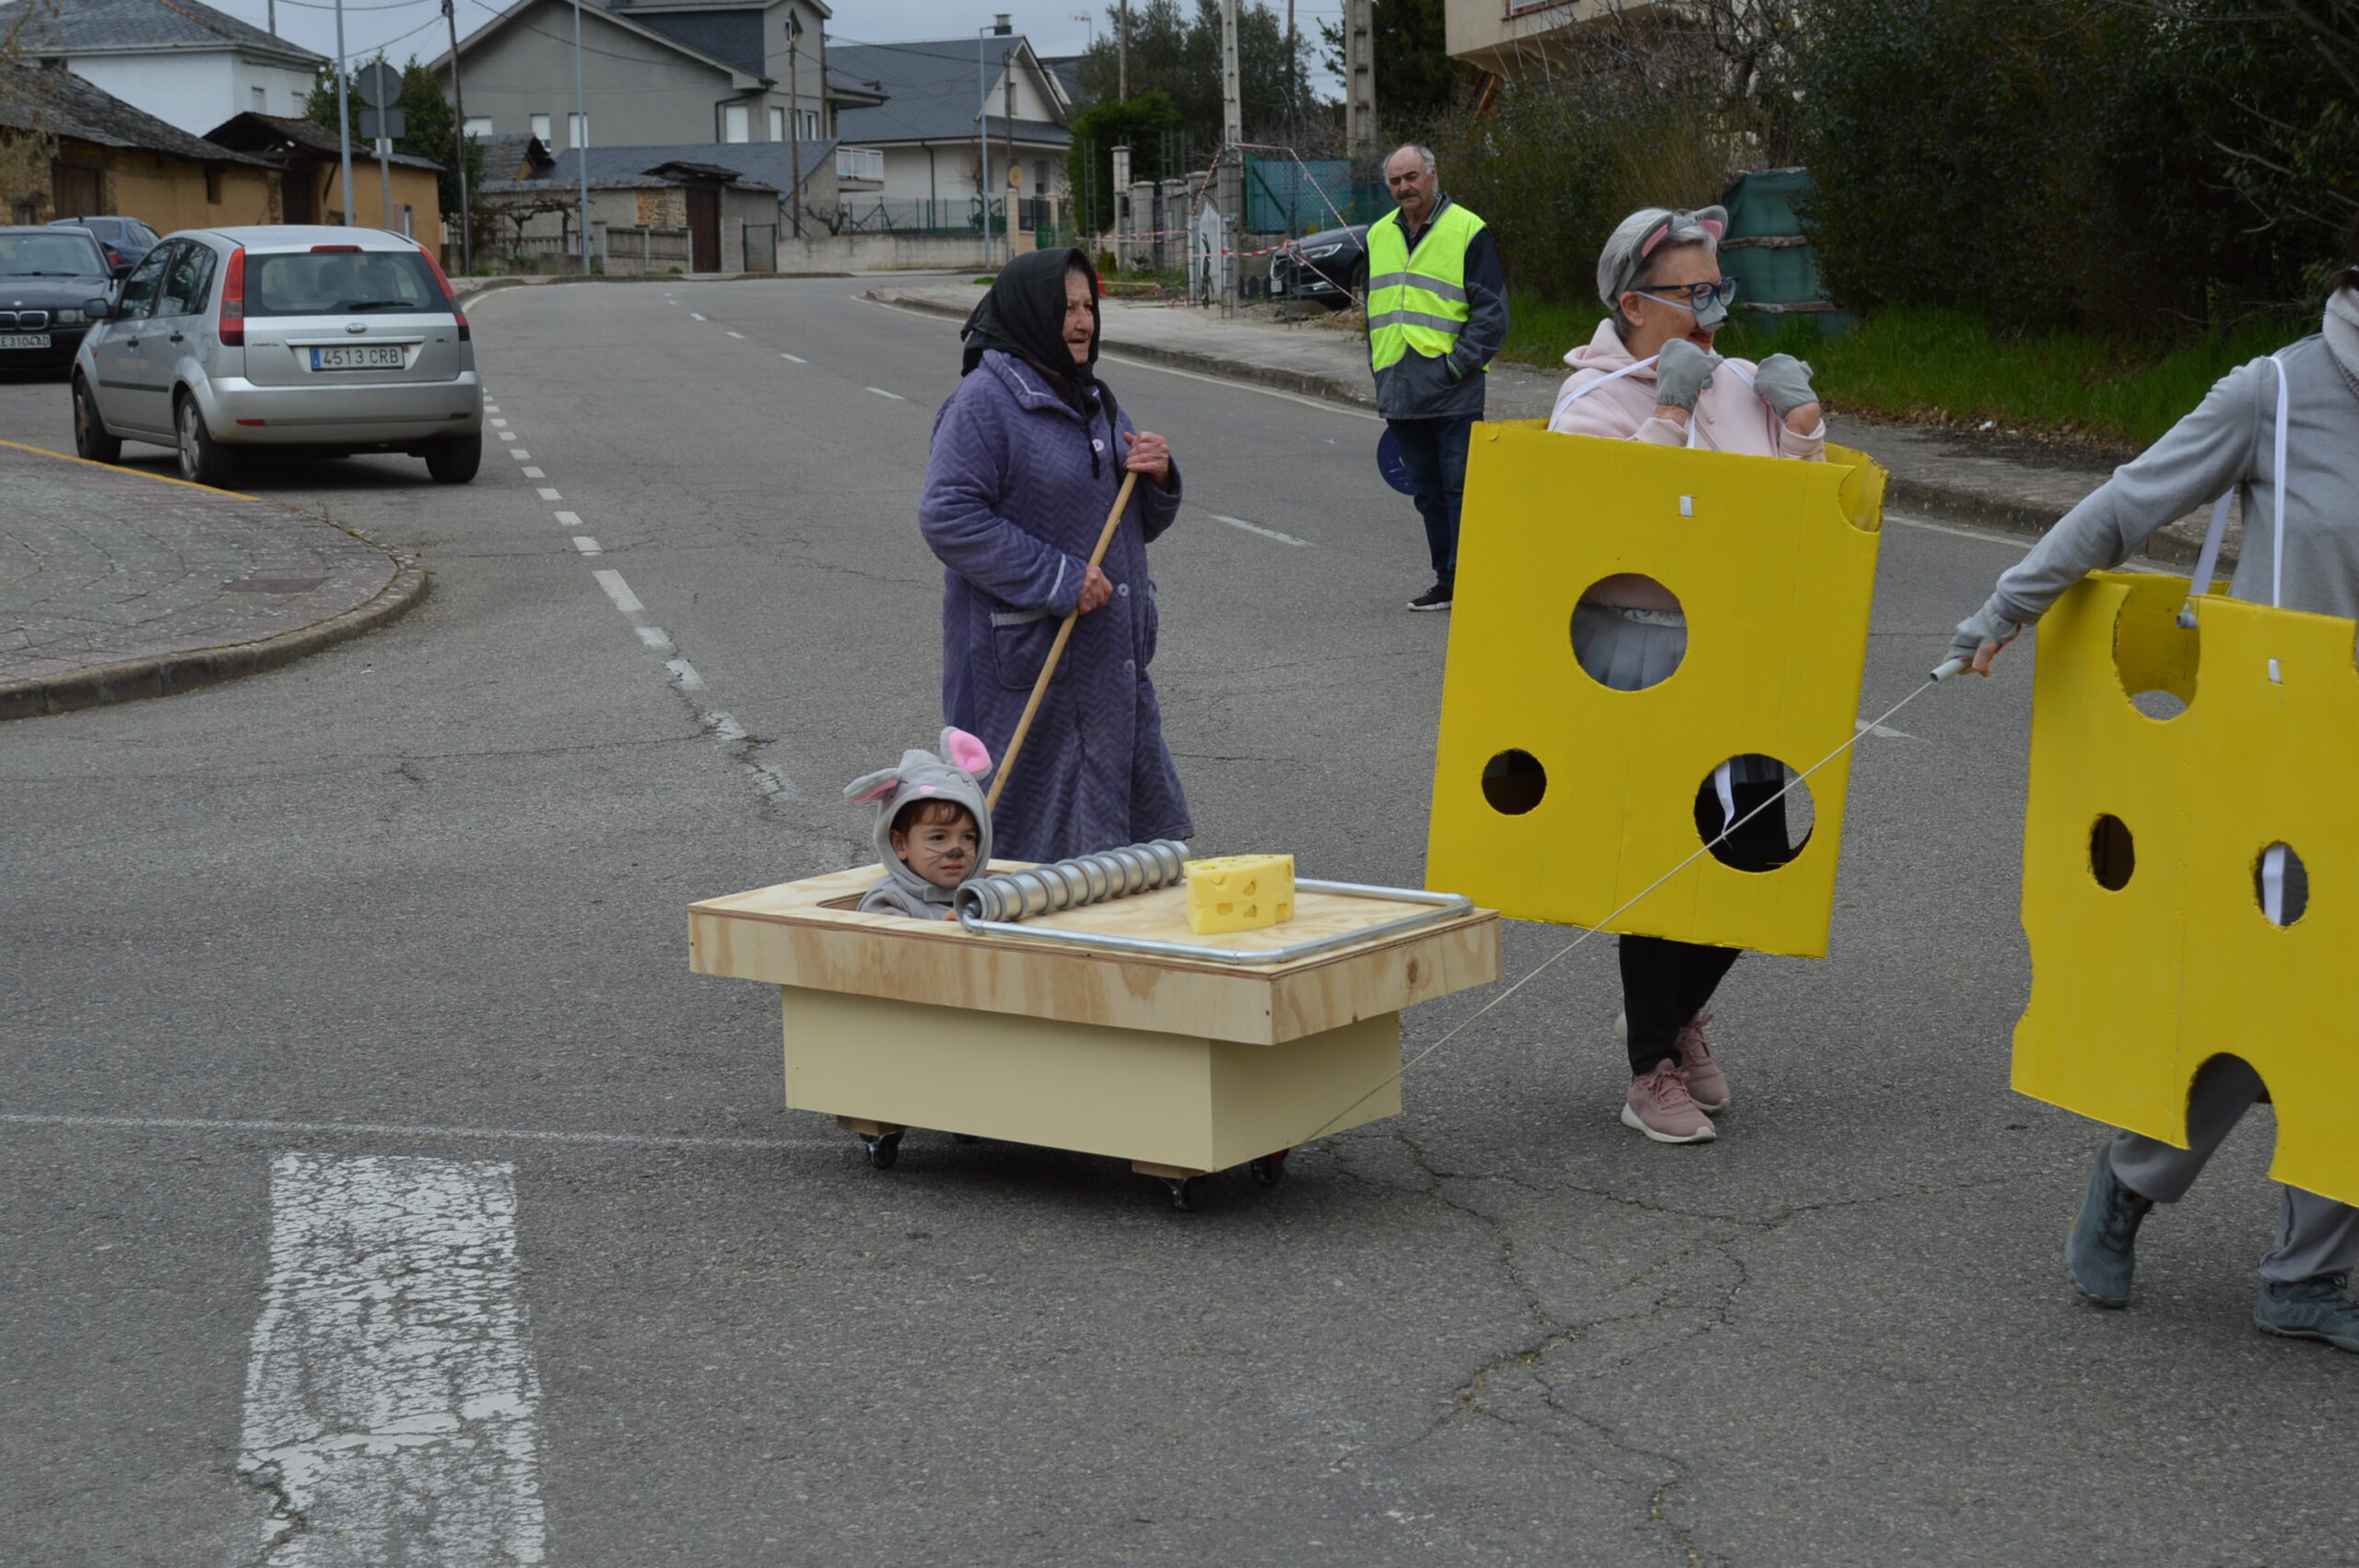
{"x":2147,"y":877}
{"x":1591,"y":792}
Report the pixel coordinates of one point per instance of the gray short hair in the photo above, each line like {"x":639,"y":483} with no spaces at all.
{"x":1422,"y":151}
{"x":1637,"y":238}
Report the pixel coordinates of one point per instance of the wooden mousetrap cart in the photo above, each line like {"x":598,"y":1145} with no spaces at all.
{"x":1100,"y":1028}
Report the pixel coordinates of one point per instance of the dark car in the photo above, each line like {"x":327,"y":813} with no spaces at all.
{"x":127,"y":240}
{"x":47,"y":277}
{"x":1330,"y":266}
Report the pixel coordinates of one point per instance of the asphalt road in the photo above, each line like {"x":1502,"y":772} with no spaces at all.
{"x":434,"y":881}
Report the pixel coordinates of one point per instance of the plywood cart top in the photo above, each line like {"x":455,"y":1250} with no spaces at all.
{"x":809,"y":934}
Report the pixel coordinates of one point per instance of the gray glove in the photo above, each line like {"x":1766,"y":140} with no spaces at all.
{"x":1682,"y":373}
{"x":1783,"y":382}
{"x":1985,"y":625}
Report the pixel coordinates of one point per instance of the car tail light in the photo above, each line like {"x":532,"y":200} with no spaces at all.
{"x":465,"y":332}
{"x":335,"y":250}
{"x":232,"y":327}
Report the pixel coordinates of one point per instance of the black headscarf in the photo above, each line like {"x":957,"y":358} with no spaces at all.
{"x":1024,"y":315}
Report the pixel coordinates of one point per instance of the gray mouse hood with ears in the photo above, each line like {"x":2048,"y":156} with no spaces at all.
{"x":956,"y":776}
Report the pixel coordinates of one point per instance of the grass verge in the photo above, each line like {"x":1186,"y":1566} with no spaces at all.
{"x":1949,"y":367}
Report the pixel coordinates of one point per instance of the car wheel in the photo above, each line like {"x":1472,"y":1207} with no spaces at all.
{"x":204,"y":461}
{"x":454,"y":459}
{"x":91,"y":438}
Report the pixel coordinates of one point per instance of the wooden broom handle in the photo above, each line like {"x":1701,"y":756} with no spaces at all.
{"x":1057,"y":648}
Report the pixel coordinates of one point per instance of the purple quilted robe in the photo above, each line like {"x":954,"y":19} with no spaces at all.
{"x":1013,"y":511}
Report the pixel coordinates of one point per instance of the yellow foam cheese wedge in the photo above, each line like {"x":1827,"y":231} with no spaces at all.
{"x":1240,"y":893}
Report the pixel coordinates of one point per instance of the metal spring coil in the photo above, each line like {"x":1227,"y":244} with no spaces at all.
{"x":1068,"y":884}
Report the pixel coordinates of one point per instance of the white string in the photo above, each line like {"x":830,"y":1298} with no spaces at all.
{"x":1535,"y":971}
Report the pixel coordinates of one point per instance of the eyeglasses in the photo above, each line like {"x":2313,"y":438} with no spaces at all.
{"x":1694,"y":296}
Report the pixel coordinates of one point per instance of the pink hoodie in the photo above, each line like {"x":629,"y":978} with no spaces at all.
{"x":1729,"y":418}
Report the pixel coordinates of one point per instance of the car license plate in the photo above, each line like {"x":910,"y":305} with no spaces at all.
{"x":359,"y":356}
{"x":24,"y":340}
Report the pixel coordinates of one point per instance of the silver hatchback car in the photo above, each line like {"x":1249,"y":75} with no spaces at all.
{"x":335,"y":341}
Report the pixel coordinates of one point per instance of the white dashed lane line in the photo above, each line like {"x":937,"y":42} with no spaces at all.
{"x":586,"y":545}
{"x":519,"y":453}
{"x":736,"y":334}
{"x":654,"y":637}
{"x":547,"y":494}
{"x":698,"y":316}
{"x":619,"y":592}
{"x":500,"y":423}
{"x":1257,"y":528}
{"x":880,"y":392}
{"x":687,"y":672}
{"x":507,"y":434}
{"x":570,"y":519}
{"x":796,"y":357}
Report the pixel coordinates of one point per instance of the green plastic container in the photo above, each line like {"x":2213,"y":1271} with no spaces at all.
{"x":1761,"y":207}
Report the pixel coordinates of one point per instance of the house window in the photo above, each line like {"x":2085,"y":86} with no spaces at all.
{"x":577,"y":130}
{"x":260,"y":104}
{"x":778,"y":124}
{"x":541,"y":126}
{"x":810,"y":125}
{"x":1039,"y":177}
{"x":736,"y":123}
{"x":410,"y":221}
{"x":479,"y":125}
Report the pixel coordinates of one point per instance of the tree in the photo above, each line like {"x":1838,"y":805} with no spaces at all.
{"x":1178,"y":56}
{"x":1142,"y":124}
{"x":430,"y":128}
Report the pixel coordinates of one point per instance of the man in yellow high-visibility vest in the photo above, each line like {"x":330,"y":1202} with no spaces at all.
{"x":1437,"y":314}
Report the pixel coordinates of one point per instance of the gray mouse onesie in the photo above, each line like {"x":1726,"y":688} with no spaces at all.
{"x":956,"y":776}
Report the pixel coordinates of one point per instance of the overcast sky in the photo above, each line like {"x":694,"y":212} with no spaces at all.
{"x":405,"y":27}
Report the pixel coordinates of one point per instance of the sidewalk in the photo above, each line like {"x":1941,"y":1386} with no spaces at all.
{"x":2015,"y":486}
{"x":116,"y":583}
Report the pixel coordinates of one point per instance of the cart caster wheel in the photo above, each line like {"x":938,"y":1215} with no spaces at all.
{"x":1269,"y":1169}
{"x":1183,"y":1193}
{"x":883,"y":1149}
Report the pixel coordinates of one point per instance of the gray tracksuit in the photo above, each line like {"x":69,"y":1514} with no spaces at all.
{"x":2231,"y":439}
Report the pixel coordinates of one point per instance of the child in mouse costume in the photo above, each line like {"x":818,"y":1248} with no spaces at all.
{"x":933,"y":830}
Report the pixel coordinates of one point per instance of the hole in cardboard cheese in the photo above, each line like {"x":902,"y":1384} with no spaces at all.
{"x":1768,"y":833}
{"x":2155,"y":659}
{"x":1634,"y":641}
{"x":2113,"y":853}
{"x":1513,"y":782}
{"x":2281,"y":884}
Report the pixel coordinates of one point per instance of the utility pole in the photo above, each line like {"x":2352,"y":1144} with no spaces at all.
{"x":983,"y":136}
{"x":1009,"y":114}
{"x":1359,"y":109}
{"x":344,"y":114}
{"x":581,"y":130}
{"x":1232,"y":156}
{"x":1122,"y":54}
{"x":1294,"y":75}
{"x":460,"y":143}
{"x":384,"y":150}
{"x":274,"y":18}
{"x":794,"y":116}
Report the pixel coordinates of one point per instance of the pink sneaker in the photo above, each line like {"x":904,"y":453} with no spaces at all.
{"x":1706,"y":1082}
{"x":1660,"y":1106}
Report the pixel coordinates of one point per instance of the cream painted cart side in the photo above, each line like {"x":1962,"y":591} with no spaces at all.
{"x":1180,"y":1065}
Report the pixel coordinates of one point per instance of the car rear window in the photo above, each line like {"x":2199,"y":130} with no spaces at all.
{"x":342,"y":282}
{"x":66,"y":255}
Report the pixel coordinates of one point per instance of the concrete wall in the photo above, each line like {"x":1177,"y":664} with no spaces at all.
{"x":196,"y":92}
{"x":885,"y":252}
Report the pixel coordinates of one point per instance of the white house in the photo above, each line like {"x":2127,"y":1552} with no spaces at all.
{"x":182,"y":61}
{"x":936,"y":93}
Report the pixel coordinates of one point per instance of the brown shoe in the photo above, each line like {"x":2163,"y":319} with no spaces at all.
{"x":1660,"y":1106}
{"x":1707,"y":1085}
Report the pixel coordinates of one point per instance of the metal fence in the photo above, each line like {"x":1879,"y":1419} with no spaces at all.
{"x":1285,"y":195}
{"x":761,"y":247}
{"x":879,"y":214}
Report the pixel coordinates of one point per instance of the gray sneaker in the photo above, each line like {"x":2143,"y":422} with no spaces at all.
{"x":2101,"y":1249}
{"x":2318,"y":1308}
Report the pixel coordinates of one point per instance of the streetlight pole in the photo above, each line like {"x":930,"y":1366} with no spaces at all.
{"x":581,"y":131}
{"x":459,"y":144}
{"x":794,"y":117}
{"x":344,"y":114}
{"x":983,"y":134}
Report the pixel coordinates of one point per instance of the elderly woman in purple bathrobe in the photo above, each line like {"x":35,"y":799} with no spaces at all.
{"x":1027,"y":455}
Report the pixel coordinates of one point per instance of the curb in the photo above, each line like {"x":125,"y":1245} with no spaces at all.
{"x":132,"y":679}
{"x":1940,"y":503}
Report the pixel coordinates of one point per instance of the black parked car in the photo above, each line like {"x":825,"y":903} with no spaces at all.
{"x":1330,"y":266}
{"x":47,"y":276}
{"x":125,"y":240}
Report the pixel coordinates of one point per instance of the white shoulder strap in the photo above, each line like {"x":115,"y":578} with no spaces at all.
{"x":1582,"y":392}
{"x":2209,"y":559}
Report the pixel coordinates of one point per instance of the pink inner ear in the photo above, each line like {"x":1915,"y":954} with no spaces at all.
{"x":1711,"y":226}
{"x":880,"y":791}
{"x":926,"y":789}
{"x":968,"y":753}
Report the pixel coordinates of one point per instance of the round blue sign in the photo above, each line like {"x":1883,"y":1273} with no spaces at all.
{"x":1388,"y":464}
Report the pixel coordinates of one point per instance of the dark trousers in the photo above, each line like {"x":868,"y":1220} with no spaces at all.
{"x":1434,"y":451}
{"x":1666,"y":983}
